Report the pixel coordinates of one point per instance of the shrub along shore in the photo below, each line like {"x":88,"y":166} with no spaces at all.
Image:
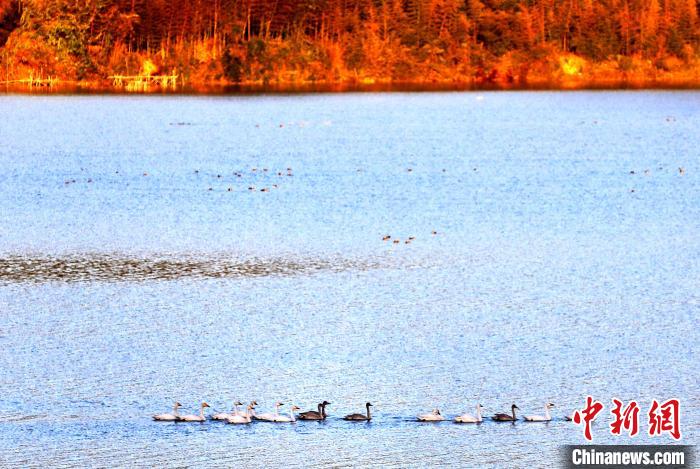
{"x":136,"y":45}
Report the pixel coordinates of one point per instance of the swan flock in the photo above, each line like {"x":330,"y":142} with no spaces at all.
{"x":249,"y":415}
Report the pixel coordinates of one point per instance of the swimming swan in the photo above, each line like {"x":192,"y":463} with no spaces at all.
{"x":242,"y":418}
{"x":174,"y":416}
{"x":269,"y":416}
{"x":540,"y":418}
{"x":356,"y":417}
{"x":434,"y":416}
{"x":467,"y":418}
{"x":226,"y":416}
{"x":195,"y":418}
{"x":284,"y":418}
{"x":506,"y":417}
{"x":314,"y":415}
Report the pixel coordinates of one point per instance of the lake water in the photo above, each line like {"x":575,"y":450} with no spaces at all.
{"x":131,"y":276}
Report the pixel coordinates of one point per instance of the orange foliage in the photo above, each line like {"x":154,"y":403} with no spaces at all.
{"x":364,"y":41}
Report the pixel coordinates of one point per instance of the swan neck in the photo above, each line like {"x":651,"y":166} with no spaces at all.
{"x":513,"y":410}
{"x":546,"y":413}
{"x":175,"y":413}
{"x":368,"y":414}
{"x":478,"y":413}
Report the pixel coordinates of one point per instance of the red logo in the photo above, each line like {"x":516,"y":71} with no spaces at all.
{"x":665,"y":418}
{"x":627,"y":418}
{"x":589,"y":414}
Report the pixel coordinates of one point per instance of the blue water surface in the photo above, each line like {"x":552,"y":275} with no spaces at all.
{"x":190,"y":248}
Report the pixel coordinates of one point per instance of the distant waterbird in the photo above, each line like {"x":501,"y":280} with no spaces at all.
{"x":360,"y":417}
{"x":434,"y":416}
{"x":506,"y":417}
{"x":284,"y":418}
{"x":239,"y":418}
{"x":315,"y":415}
{"x":169,"y":417}
{"x":193,"y":417}
{"x":270,"y":416}
{"x":468,"y":418}
{"x":227,"y":415}
{"x":541,"y":418}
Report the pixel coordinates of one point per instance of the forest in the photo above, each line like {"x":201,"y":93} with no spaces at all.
{"x":354,"y":41}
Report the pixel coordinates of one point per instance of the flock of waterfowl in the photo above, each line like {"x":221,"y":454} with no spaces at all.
{"x":388,"y":238}
{"x":236,"y":416}
{"x":265,"y":173}
{"x":254,"y":172}
{"x":647,"y":172}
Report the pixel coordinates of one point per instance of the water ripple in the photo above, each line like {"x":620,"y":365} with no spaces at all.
{"x":114,"y":268}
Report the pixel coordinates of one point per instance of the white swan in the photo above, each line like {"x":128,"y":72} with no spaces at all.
{"x":541,"y":418}
{"x":251,"y":412}
{"x":174,"y":416}
{"x":270,"y":416}
{"x":242,"y":418}
{"x":434,"y":416}
{"x":225,"y":415}
{"x":284,"y":418}
{"x":467,"y":418}
{"x":195,"y":418}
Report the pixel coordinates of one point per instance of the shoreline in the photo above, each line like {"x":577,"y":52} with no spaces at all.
{"x":218,"y":88}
